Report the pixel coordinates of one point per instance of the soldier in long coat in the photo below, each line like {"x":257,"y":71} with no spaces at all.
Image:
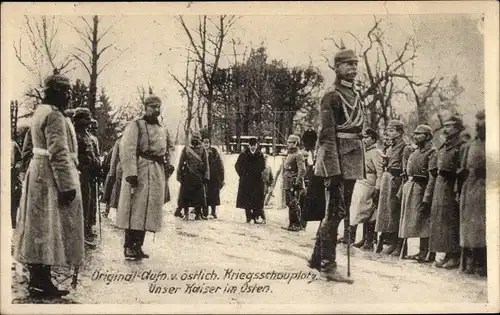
{"x":193,"y":173}
{"x":112,"y":185}
{"x":249,"y":167}
{"x":268,"y":179}
{"x":145,"y":150}
{"x":340,"y":160}
{"x":88,"y":166}
{"x":445,"y":221}
{"x":50,"y":227}
{"x":366,"y":191}
{"x":216,"y":177}
{"x":294,"y":169}
{"x":417,"y":192}
{"x":389,"y":205}
{"x":473,"y":201}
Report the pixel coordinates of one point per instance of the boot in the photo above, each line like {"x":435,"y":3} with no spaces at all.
{"x":314,"y":264}
{"x":399,"y":248}
{"x":430,"y":257}
{"x":481,"y":261}
{"x":346,"y":238}
{"x":363,"y":239}
{"x":139,"y":242}
{"x":178,"y":213}
{"x":330,"y":273}
{"x":186,"y":213}
{"x":452,"y":263}
{"x":41,"y":285}
{"x":389,"y":250}
{"x":213,"y":212}
{"x":469,"y":265}
{"x":380,"y":243}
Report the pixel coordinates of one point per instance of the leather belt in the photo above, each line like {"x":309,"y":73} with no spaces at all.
{"x":348,"y":135}
{"x":417,"y":178}
{"x":396,"y":172}
{"x":155,"y":158}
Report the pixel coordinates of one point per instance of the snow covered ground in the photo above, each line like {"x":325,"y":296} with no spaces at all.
{"x":206,"y":257}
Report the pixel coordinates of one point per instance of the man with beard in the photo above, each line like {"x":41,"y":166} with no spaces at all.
{"x":294,"y":169}
{"x":389,"y":205}
{"x":473,"y":201}
{"x":50,"y":226}
{"x":144,"y":154}
{"x":445,"y":222}
{"x":249,"y":167}
{"x":366,"y":191}
{"x":339,"y":161}
{"x":88,"y":167}
{"x":417,"y":192}
{"x":193,"y":173}
{"x":216,"y":178}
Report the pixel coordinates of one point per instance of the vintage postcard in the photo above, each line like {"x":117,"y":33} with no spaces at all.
{"x":250,"y":157}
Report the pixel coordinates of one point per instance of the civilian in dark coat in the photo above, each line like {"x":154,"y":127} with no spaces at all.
{"x":249,"y":166}
{"x":216,"y":180}
{"x":309,"y":138}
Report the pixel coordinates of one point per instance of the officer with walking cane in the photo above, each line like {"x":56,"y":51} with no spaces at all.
{"x":340,"y":161}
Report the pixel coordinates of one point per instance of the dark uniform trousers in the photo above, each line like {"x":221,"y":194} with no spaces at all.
{"x":326,"y":238}
{"x":134,"y":238}
{"x":292,"y":202}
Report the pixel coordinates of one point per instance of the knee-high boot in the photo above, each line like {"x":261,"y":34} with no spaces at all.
{"x":363,"y":239}
{"x":41,"y":282}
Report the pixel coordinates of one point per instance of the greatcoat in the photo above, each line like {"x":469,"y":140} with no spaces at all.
{"x":216,"y":179}
{"x":445,"y":218}
{"x":249,"y":167}
{"x":418,"y":189}
{"x":473,"y":196}
{"x":47,"y":232}
{"x":389,"y":205}
{"x":88,"y":165}
{"x":362,"y":208}
{"x":142,"y":148}
{"x":114,"y":179}
{"x":192,"y":173}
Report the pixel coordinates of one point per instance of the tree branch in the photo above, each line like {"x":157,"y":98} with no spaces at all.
{"x":82,"y":62}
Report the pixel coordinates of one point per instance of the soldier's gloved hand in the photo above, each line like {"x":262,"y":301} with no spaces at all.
{"x":133,"y":181}
{"x":169,"y":169}
{"x":333,"y":180}
{"x":66,"y":197}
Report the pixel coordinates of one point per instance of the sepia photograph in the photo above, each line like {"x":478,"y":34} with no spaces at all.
{"x":250,"y":157}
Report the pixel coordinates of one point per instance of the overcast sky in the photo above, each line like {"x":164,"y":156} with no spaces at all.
{"x":449,"y":44}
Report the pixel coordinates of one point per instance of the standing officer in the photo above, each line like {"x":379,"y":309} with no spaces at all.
{"x":50,"y":229}
{"x":389,"y":205}
{"x":473,"y":201}
{"x":445,"y":221}
{"x":339,"y":159}
{"x":88,"y":165}
{"x":144,"y":154}
{"x":417,"y":192}
{"x":294,"y":169}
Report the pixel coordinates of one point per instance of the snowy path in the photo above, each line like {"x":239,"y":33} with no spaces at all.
{"x":215,"y":247}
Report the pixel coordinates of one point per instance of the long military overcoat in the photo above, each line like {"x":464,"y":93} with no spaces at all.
{"x":193,"y":171}
{"x":415,"y":220}
{"x":251,"y":187}
{"x":216,"y":179}
{"x":389,"y":204}
{"x":473,"y":196}
{"x":445,"y":218}
{"x":48,"y":232}
{"x":141,"y":208}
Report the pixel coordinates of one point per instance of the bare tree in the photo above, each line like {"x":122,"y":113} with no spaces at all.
{"x":207,"y":49}
{"x":187,"y":89}
{"x":39,"y":51}
{"x":90,"y":55}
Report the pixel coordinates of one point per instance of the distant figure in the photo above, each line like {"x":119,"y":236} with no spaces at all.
{"x":216,"y":178}
{"x":309,"y":138}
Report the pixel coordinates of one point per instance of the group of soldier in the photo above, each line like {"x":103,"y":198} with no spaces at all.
{"x":395,"y":189}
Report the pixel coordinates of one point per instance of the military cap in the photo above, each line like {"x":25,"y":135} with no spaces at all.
{"x":196,"y":135}
{"x":481,"y":114}
{"x":454,"y":120}
{"x":293,"y":138}
{"x":56,"y":80}
{"x":345,"y":55}
{"x":82,"y":112}
{"x":396,"y":124}
{"x":152,"y":99}
{"x":423,"y":129}
{"x":371,"y":133}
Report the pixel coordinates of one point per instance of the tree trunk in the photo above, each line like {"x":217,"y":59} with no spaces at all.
{"x":93,"y":74}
